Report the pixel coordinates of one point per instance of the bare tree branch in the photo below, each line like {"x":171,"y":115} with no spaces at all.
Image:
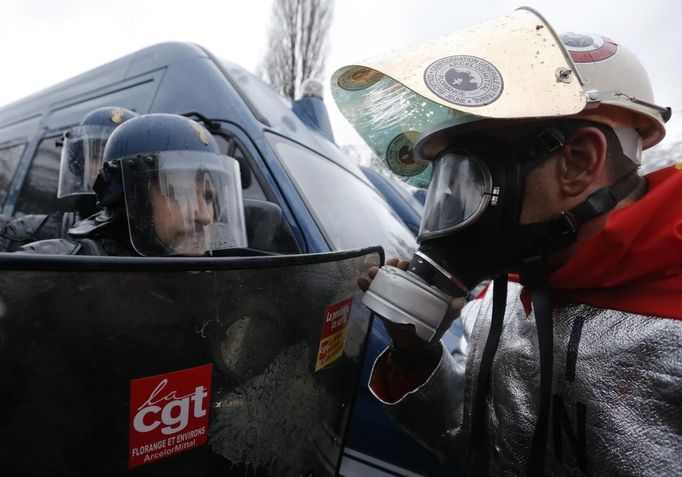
{"x":297,"y":43}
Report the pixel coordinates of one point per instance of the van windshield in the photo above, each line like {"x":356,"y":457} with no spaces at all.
{"x":349,"y":211}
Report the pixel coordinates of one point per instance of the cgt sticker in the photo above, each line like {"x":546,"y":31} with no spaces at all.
{"x":168,"y":414}
{"x":334,"y":329}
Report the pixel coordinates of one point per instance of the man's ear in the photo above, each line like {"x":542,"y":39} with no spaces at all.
{"x":582,"y":165}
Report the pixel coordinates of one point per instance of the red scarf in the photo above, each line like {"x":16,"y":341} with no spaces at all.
{"x":635,"y":263}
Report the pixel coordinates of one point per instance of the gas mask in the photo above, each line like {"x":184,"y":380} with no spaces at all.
{"x":471,"y":212}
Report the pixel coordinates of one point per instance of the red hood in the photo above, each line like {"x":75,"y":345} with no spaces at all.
{"x":635,"y":263}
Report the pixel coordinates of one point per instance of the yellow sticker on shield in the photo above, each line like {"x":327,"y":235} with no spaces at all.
{"x":334,"y":329}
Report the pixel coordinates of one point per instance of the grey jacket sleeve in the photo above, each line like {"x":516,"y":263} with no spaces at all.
{"x":434,"y":413}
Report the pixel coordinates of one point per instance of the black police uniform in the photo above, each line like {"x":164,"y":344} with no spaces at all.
{"x":102,"y":234}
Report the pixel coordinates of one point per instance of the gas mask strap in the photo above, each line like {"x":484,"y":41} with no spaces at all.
{"x":539,"y":147}
{"x":485,"y":368}
{"x":543,"y":237}
{"x":536,"y":280}
{"x":606,"y":198}
{"x":599,"y":202}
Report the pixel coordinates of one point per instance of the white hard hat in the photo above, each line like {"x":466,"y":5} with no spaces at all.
{"x":616,"y":86}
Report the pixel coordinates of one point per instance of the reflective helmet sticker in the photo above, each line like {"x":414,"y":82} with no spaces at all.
{"x":400,"y":155}
{"x":587,"y":48}
{"x":464,"y":80}
{"x":359,"y":77}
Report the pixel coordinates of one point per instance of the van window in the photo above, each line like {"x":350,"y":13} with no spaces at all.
{"x":349,"y":211}
{"x":231,"y":147}
{"x":135,"y":93}
{"x":39,"y":192}
{"x":9,"y":159}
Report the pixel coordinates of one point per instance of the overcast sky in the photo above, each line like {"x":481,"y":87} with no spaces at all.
{"x":44,"y":42}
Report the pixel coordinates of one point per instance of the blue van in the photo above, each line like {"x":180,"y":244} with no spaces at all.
{"x":324,"y":201}
{"x":405,"y":205}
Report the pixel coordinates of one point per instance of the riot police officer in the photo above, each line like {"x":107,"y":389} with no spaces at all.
{"x":81,"y":160}
{"x":83,"y":150}
{"x":164,"y":189}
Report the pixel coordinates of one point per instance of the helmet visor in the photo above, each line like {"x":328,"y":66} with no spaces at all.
{"x":183,"y":203}
{"x":81,"y":159}
{"x":509,"y":67}
{"x":459,"y":193}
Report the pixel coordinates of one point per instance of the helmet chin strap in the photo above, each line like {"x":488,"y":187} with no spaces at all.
{"x":109,"y":185}
{"x":535,"y":241}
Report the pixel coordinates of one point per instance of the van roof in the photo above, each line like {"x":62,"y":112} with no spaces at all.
{"x":129,"y":66}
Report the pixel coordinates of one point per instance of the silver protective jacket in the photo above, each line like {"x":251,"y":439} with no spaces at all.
{"x":616,"y":398}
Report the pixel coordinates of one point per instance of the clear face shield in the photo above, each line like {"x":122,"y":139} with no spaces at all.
{"x":183,"y":203}
{"x":81,"y":159}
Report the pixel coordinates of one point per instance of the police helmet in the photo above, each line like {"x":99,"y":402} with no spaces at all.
{"x":83,"y":146}
{"x":181,"y":196}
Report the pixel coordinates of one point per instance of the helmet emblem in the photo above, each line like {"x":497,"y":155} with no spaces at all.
{"x":359,"y":77}
{"x":200,"y":131}
{"x":400,"y":155}
{"x":464,"y":80}
{"x":116,"y":115}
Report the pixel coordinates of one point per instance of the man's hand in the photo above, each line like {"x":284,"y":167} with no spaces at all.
{"x":403,"y":335}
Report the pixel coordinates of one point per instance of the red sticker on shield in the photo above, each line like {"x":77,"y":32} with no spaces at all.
{"x":334,"y":329}
{"x":168,"y":414}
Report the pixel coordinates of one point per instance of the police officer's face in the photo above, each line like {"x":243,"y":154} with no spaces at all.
{"x":181,"y":212}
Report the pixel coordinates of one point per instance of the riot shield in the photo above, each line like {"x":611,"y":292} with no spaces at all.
{"x":197,"y":366}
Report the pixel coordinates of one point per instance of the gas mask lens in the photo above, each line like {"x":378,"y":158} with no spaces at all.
{"x":459,"y":192}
